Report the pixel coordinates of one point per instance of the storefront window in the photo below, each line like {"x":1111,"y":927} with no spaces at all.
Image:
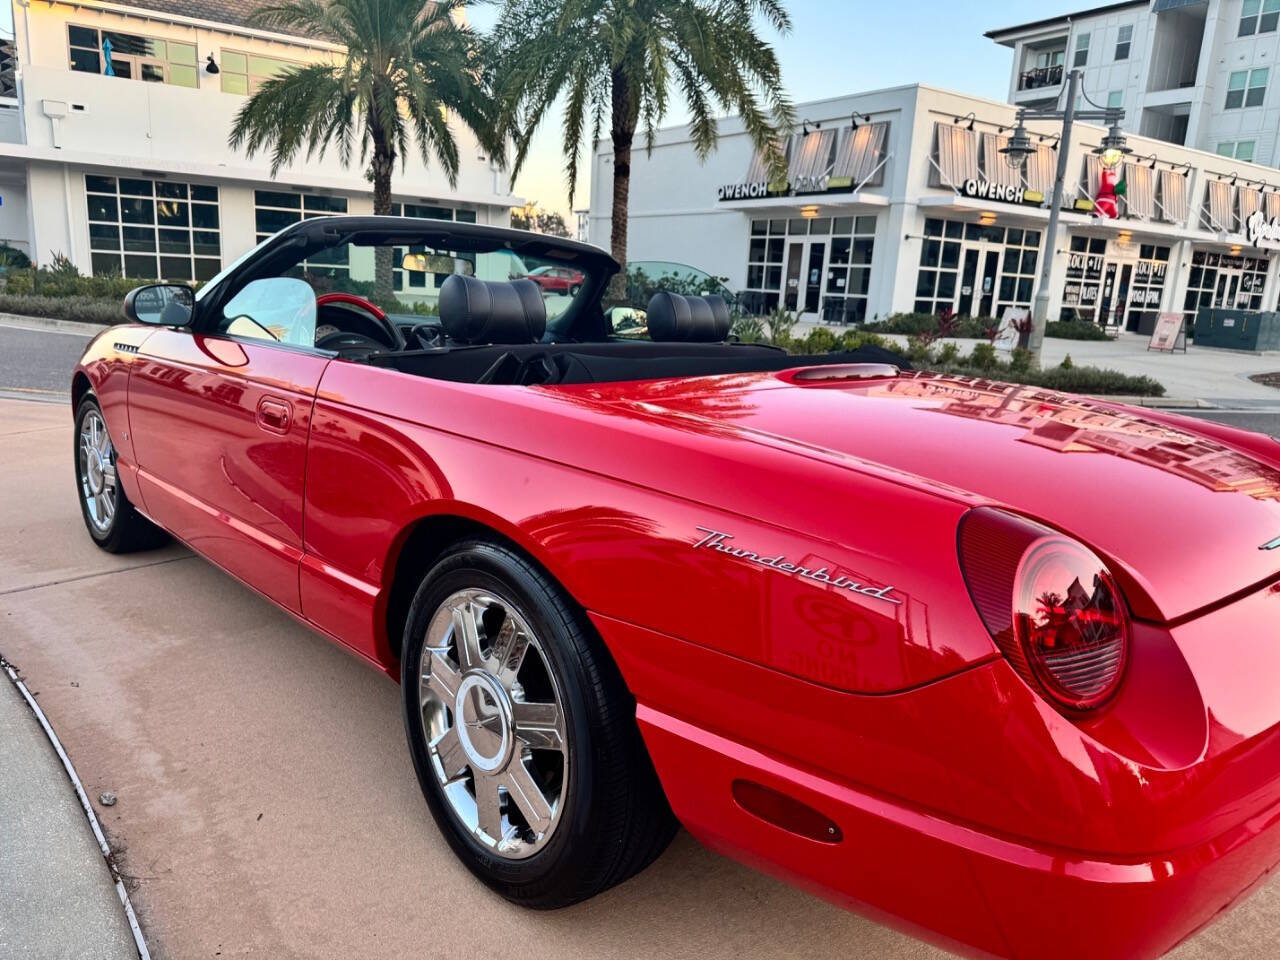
{"x":1224,"y":281}
{"x":848,"y":282}
{"x":1114,"y":285}
{"x":764,"y":265}
{"x":274,"y":210}
{"x":975,"y":269}
{"x":153,"y":229}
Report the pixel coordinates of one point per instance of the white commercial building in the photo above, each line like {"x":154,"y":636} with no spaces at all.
{"x":1200,"y":73}
{"x":898,"y":200}
{"x":113,"y":143}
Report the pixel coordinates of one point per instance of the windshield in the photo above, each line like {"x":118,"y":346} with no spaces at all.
{"x":418,"y":272}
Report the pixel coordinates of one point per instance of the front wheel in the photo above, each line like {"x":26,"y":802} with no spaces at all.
{"x":108,"y":514}
{"x":523,"y":735}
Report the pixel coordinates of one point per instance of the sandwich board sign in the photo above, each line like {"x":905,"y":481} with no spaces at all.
{"x":1169,"y":333}
{"x":1008,"y":335}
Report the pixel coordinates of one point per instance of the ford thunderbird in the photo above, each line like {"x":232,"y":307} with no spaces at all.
{"x":997,"y":665}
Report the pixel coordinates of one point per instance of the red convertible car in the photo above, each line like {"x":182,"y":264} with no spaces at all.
{"x":997,"y":665}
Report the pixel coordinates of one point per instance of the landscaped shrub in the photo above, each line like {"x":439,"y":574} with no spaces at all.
{"x":1090,"y":380}
{"x":916,"y":324}
{"x":983,"y":357}
{"x":1074,"y":330}
{"x":82,"y":309}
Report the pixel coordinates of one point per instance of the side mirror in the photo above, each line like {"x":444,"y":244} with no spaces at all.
{"x":628,"y":322}
{"x":164,"y":304}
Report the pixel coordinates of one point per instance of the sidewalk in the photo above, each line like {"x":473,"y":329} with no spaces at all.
{"x":58,"y":900}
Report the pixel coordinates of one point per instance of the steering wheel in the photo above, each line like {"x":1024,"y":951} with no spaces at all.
{"x":390,"y":335}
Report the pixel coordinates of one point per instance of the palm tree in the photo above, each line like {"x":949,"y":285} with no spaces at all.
{"x":409,"y":65}
{"x":624,"y":59}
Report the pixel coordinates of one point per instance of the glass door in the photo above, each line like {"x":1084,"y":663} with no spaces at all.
{"x":968,"y":277}
{"x":791,"y":280}
{"x":990,"y":272}
{"x":813,"y":279}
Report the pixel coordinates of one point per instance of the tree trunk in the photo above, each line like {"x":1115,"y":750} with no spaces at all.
{"x":384,"y":161}
{"x":624,"y":115}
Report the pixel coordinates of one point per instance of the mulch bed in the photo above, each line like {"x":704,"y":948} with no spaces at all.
{"x":1267,"y":379}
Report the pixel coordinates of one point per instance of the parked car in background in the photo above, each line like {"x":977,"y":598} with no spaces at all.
{"x":562,"y":280}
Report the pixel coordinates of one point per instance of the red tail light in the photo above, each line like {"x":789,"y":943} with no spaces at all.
{"x":1052,"y":606}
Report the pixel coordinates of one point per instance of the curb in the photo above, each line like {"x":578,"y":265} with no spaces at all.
{"x":24,"y":322}
{"x":121,"y":892}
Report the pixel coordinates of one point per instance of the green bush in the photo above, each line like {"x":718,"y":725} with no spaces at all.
{"x":948,"y":353}
{"x":983,"y":357}
{"x":915,"y":324}
{"x":1074,"y":330}
{"x":1090,"y":380}
{"x":55,"y":282}
{"x":748,"y":329}
{"x":81,"y":309}
{"x":1066,"y":363}
{"x":853,"y":339}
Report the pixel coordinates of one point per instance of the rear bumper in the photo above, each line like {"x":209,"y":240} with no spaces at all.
{"x":953,"y":884}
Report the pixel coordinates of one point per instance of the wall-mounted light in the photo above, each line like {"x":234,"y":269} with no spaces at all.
{"x":986,"y":218}
{"x":809,"y":211}
{"x":1124,"y":238}
{"x":971,"y":117}
{"x":853,"y":120}
{"x":805,"y":124}
{"x":211,"y":67}
{"x":1235,"y":249}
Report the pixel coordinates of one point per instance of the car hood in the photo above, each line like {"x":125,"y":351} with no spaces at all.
{"x":1184,"y":515}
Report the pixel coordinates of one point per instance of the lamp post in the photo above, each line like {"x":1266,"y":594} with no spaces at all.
{"x":1112,"y":150}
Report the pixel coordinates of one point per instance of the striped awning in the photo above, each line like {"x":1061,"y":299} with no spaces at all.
{"x":1042,"y":168}
{"x":1091,"y":178}
{"x":860,"y":154}
{"x":955,"y":151}
{"x":994,"y":166}
{"x":812,"y":155}
{"x":1173,"y":206}
{"x":1248,"y":200}
{"x":1140,"y":191}
{"x":1273,"y":205}
{"x":1218,"y":206}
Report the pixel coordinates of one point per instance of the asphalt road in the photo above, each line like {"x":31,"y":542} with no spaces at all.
{"x":38,"y":361}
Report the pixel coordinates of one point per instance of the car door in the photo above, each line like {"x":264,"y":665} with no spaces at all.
{"x":220,"y":422}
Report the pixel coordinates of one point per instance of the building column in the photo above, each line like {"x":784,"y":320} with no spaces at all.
{"x":1176,"y":280}
{"x":1060,"y":251}
{"x":895,"y":262}
{"x":1271,"y":295}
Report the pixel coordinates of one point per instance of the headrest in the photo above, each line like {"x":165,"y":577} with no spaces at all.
{"x":492,"y":311}
{"x":672,"y":316}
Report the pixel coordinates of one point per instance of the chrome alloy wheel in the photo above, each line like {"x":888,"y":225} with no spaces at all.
{"x":494,"y":724}
{"x":97,"y":471}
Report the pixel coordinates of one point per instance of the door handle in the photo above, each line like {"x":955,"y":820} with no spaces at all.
{"x":274,"y":415}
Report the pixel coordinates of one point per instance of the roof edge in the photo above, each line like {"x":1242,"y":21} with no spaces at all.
{"x":1064,"y":18}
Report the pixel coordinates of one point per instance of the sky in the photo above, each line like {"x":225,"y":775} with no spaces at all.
{"x":838,"y":47}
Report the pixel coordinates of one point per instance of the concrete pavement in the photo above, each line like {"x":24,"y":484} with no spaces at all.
{"x":267,"y":806}
{"x":58,"y":897}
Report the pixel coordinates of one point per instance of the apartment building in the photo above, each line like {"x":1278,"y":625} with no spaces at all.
{"x":113,"y":142}
{"x":1198,"y":73}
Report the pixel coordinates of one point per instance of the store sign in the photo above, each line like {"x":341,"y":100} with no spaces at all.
{"x":1263,"y":232}
{"x":999,"y":192}
{"x":744,"y":191}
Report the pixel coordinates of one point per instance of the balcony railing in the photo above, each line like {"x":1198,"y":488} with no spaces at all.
{"x":1040,"y":77}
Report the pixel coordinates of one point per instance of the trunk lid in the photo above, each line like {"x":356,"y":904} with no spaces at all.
{"x":1188,"y":516}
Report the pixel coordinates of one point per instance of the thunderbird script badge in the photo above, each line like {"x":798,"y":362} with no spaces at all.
{"x":719,"y":540}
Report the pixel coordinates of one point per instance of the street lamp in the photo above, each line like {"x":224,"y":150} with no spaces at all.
{"x":1111,"y":151}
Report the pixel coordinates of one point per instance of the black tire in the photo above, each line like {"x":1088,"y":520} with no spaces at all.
{"x":573,"y":290}
{"x":615,"y":819}
{"x":128,"y":531}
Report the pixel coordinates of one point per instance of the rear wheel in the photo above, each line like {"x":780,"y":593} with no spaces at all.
{"x":109,"y":516}
{"x":523,"y":735}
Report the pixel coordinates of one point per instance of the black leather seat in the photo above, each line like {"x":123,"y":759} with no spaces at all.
{"x":489,"y":311}
{"x":675,"y":317}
